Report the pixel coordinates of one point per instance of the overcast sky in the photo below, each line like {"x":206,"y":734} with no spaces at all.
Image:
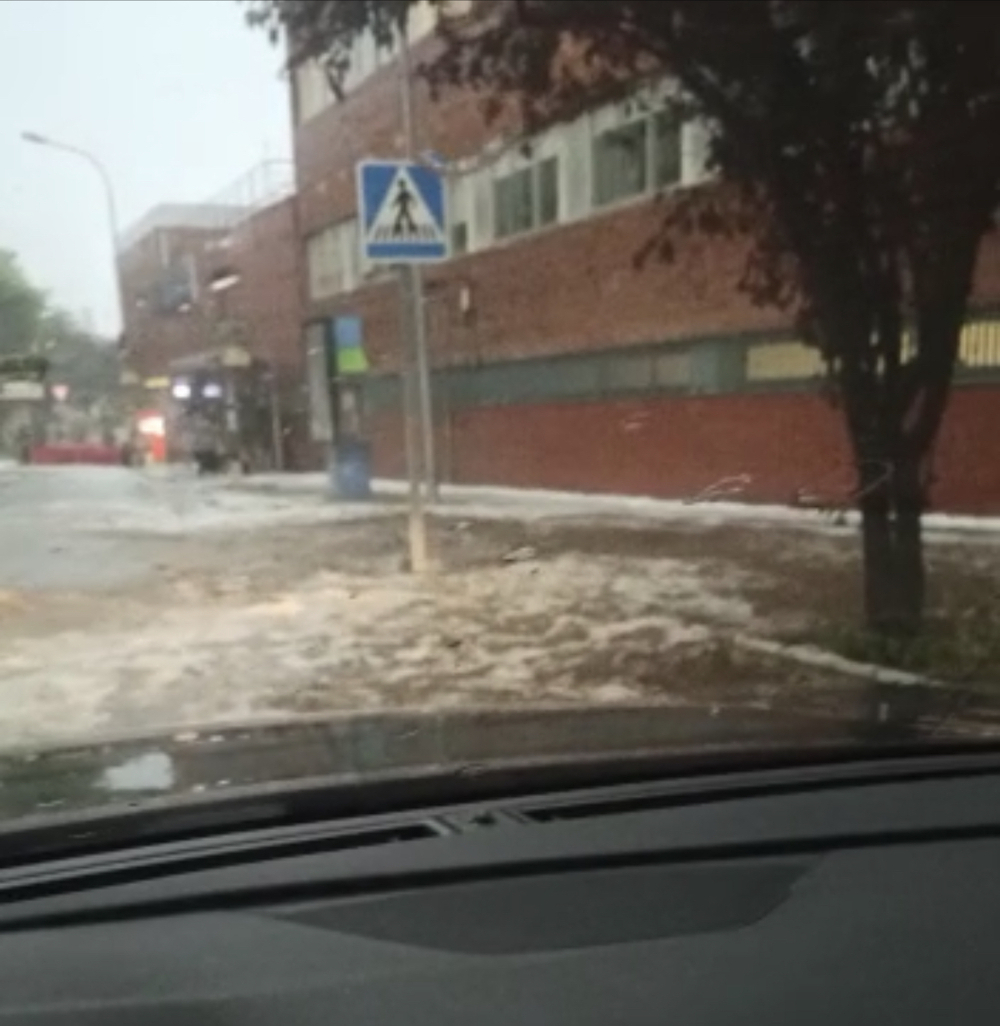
{"x":177,"y":97}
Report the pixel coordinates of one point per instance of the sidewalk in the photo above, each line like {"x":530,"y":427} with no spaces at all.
{"x":528,"y":505}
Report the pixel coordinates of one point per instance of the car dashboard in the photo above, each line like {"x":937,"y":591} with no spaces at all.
{"x":861,"y":894}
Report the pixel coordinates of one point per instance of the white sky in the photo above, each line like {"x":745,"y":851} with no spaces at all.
{"x":178,"y":98}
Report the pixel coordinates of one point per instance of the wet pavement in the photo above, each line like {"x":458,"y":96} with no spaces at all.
{"x":154,"y":604}
{"x":57,"y":527}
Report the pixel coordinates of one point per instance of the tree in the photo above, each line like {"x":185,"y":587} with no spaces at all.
{"x":858,"y":146}
{"x":76,"y":358}
{"x":21,"y":308}
{"x":38,"y":340}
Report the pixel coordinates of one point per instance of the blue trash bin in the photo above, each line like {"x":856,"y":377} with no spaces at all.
{"x":352,"y":470}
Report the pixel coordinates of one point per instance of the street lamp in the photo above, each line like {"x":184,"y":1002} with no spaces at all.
{"x":224,"y":282}
{"x":37,"y":139}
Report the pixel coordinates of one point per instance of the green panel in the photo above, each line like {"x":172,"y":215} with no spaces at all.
{"x":458,"y":387}
{"x":711,"y":367}
{"x":382,"y":393}
{"x":628,"y":372}
{"x":352,"y":361}
{"x":718,"y":367}
{"x":540,"y":380}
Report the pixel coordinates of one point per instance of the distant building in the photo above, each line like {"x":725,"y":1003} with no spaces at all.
{"x":217,"y":286}
{"x":164,"y":263}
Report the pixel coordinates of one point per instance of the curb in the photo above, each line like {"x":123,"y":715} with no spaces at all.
{"x":821,"y":659}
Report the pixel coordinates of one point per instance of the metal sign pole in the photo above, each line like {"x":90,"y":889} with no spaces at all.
{"x":404,"y":215}
{"x":418,"y":542}
{"x":418,"y":312}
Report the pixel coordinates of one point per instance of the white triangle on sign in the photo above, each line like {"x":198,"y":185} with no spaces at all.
{"x":404,"y":216}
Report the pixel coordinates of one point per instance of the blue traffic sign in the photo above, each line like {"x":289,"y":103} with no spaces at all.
{"x":403,"y":212}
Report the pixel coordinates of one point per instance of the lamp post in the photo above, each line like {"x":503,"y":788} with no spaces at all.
{"x":37,"y":139}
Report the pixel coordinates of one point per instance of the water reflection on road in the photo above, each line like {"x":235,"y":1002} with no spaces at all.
{"x":60,"y":528}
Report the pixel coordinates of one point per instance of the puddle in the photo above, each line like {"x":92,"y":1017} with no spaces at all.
{"x":153,"y":771}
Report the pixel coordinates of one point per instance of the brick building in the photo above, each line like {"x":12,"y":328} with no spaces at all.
{"x":164,"y":269}
{"x":557,"y":362}
{"x":219,"y":284}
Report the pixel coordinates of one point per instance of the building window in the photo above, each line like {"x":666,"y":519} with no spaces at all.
{"x":460,"y":214}
{"x":526,"y":199}
{"x":513,"y":201}
{"x":783,"y":361}
{"x":980,"y":345}
{"x":366,"y":58}
{"x":312,"y":90}
{"x":639,"y":156}
{"x":333,"y":260}
{"x":672,"y":369}
{"x":548,"y":191}
{"x":718,"y":367}
{"x":621,"y":163}
{"x":667,"y":136}
{"x":628,"y":372}
{"x":459,"y":238}
{"x":424,"y":16}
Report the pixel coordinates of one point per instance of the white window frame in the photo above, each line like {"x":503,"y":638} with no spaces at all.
{"x":472,"y":193}
{"x":333,"y":260}
{"x":696,"y":140}
{"x":644,"y":107}
{"x":461,"y":209}
{"x":550,"y":145}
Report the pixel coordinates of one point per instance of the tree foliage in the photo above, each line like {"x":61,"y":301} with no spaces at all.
{"x":88,"y":365}
{"x":38,"y":340}
{"x":22,"y":307}
{"x":859,"y":144}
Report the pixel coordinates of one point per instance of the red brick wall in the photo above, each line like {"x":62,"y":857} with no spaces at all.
{"x":267,"y":301}
{"x":675,"y":448}
{"x":266,"y":304}
{"x":966,"y":467}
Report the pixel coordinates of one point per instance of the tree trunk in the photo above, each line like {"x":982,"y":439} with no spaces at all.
{"x":891,"y":512}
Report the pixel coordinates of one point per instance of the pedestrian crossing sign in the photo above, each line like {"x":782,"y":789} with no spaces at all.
{"x":403,"y":215}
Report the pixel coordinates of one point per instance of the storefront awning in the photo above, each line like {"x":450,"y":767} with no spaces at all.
{"x":212,"y":359}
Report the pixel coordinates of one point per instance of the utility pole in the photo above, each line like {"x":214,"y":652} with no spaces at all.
{"x":420,"y":561}
{"x":399,"y":242}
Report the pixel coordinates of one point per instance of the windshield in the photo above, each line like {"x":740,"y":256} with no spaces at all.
{"x":558,"y":379}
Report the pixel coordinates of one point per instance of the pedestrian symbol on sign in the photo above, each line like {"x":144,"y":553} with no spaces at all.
{"x":404,"y":224}
{"x":403,"y":216}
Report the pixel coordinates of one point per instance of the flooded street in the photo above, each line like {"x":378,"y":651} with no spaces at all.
{"x":144,"y":601}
